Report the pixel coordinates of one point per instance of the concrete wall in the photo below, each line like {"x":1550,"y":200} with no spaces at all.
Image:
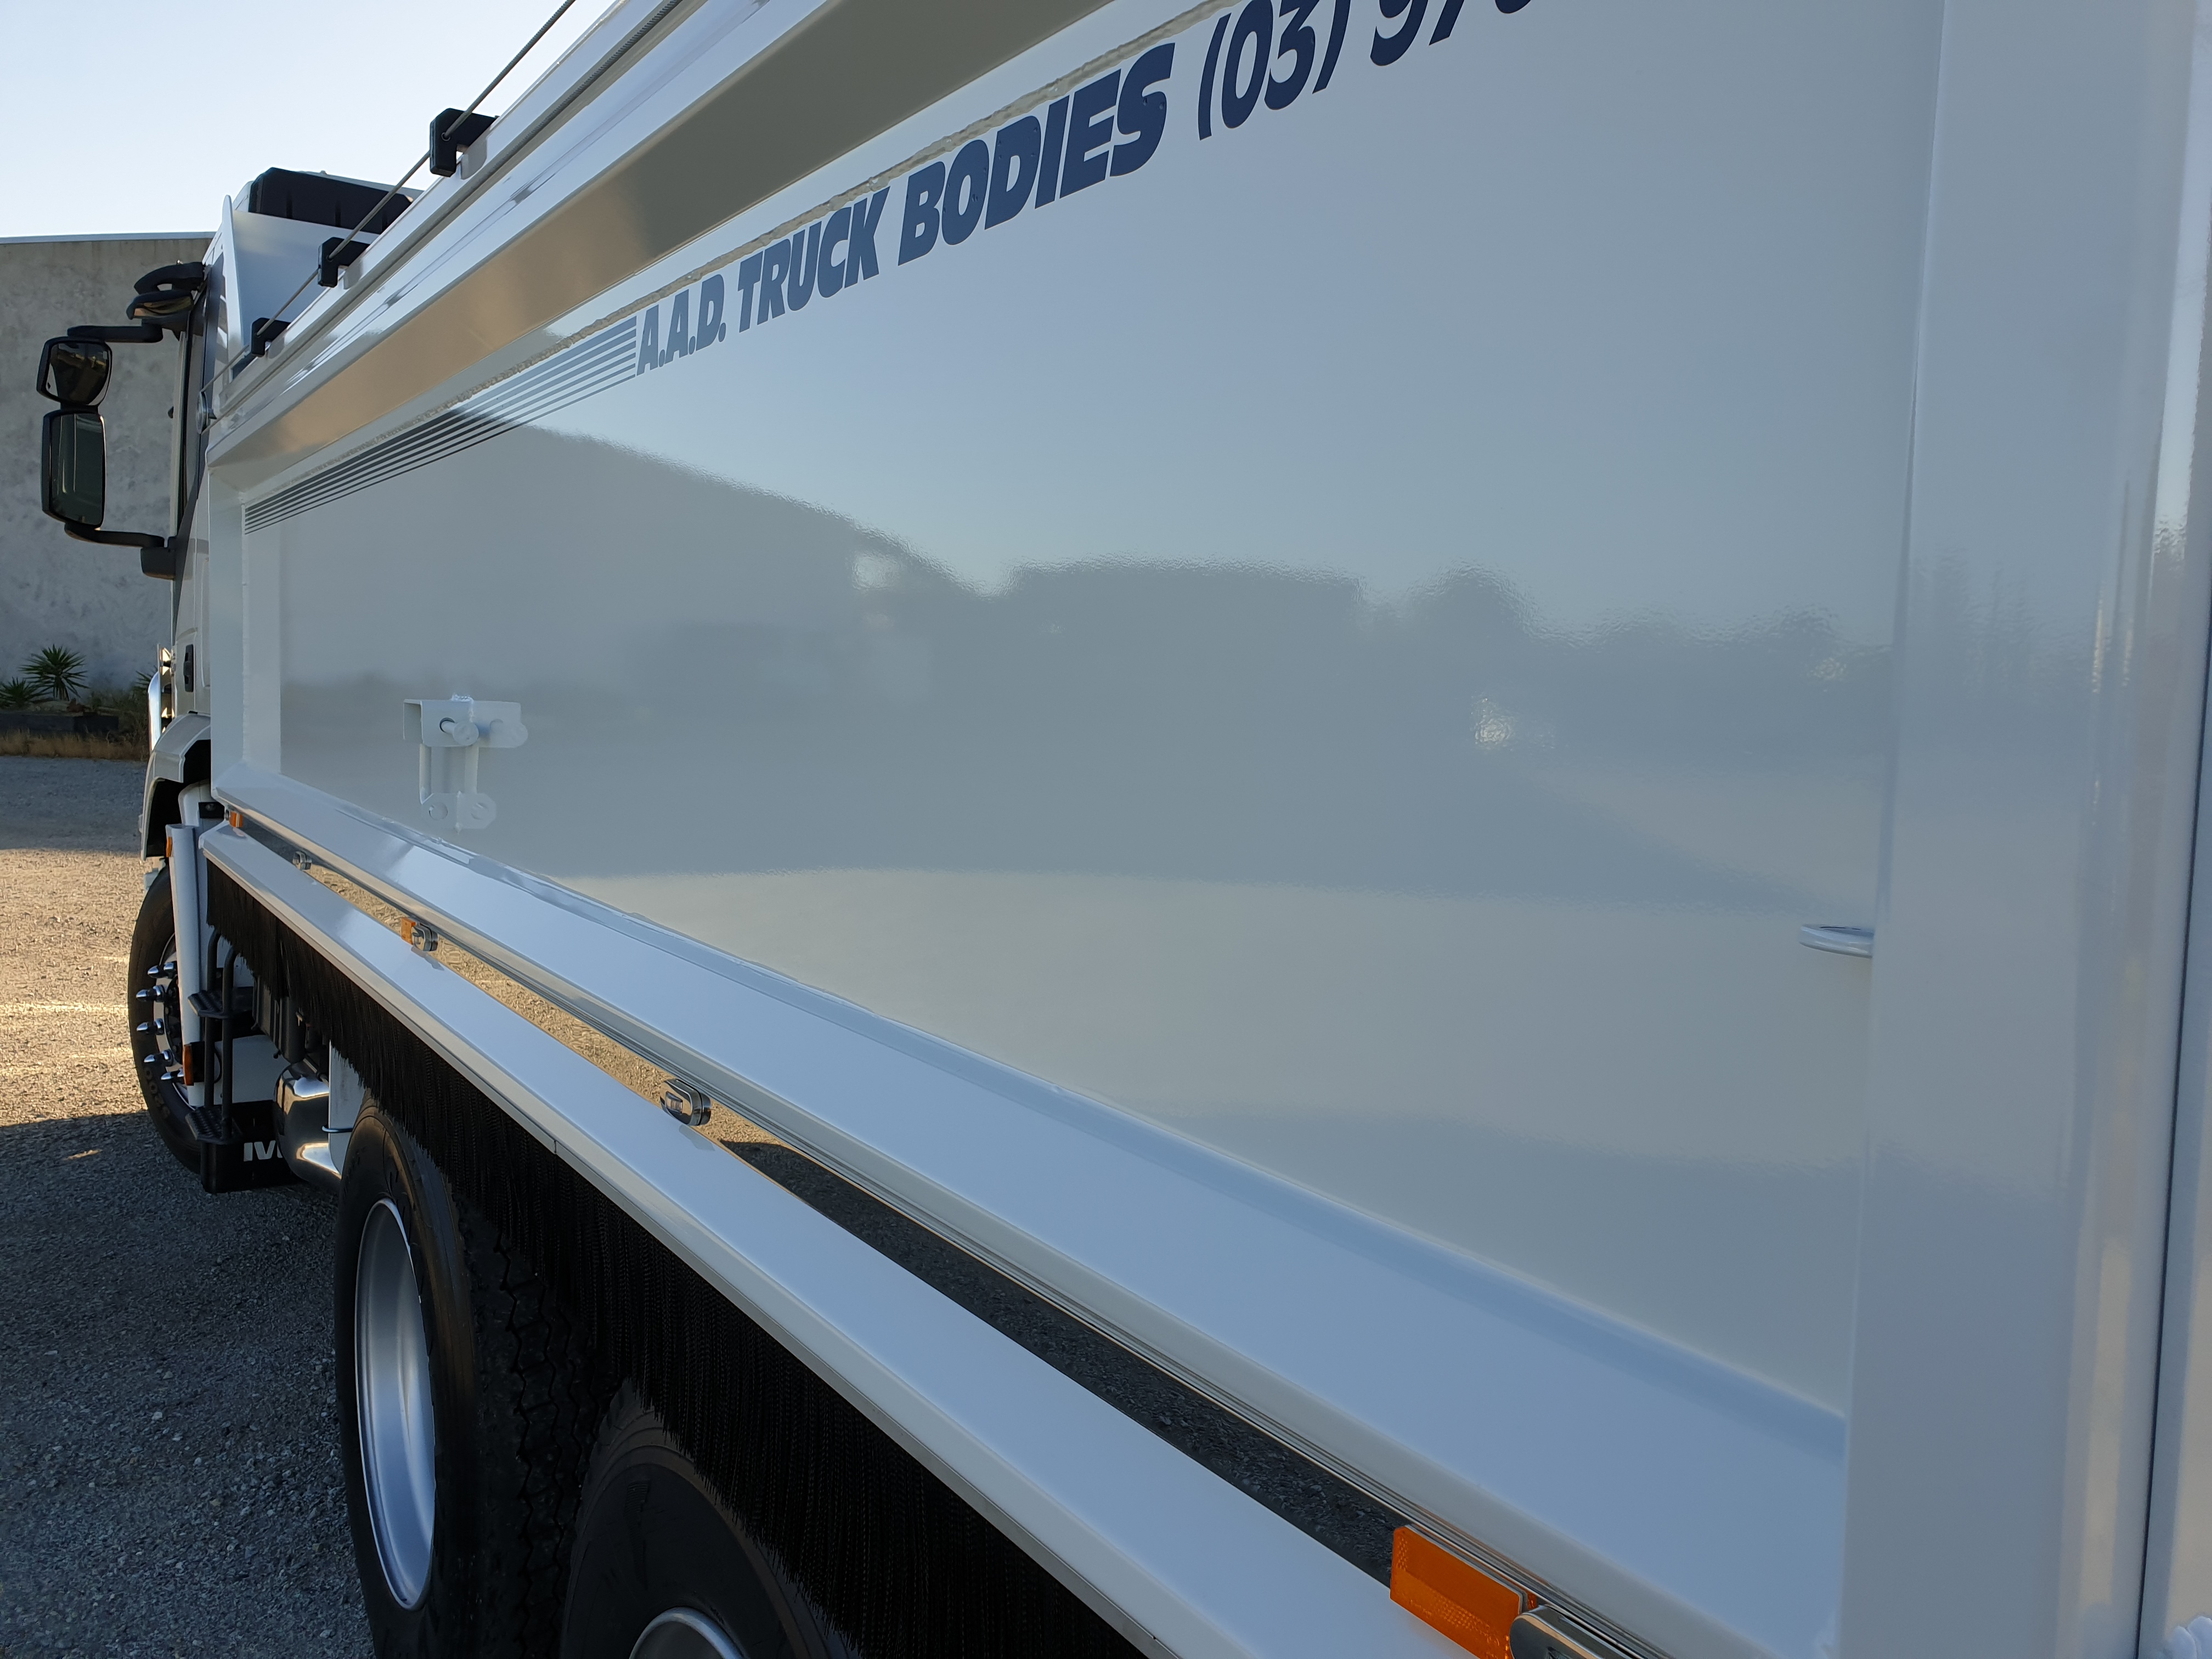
{"x":54,"y":590}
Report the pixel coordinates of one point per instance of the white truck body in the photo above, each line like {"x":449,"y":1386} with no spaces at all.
{"x":1254,"y":736}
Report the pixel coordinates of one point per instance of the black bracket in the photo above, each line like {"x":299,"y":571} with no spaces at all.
{"x":338,"y":254}
{"x":243,"y":1149}
{"x":266,"y":330}
{"x":185,"y":280}
{"x":121,"y":333}
{"x":115,"y":537}
{"x":167,"y":296}
{"x":451,"y":132}
{"x":160,"y":557}
{"x":208,"y":1005}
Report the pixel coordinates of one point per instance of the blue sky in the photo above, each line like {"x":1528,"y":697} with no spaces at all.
{"x":128,"y":116}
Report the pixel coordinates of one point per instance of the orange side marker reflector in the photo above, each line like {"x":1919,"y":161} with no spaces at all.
{"x":184,"y":1053}
{"x":1464,"y":1603}
{"x":237,"y":818}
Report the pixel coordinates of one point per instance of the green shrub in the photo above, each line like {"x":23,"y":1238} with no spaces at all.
{"x":56,"y":673}
{"x":17,"y":694}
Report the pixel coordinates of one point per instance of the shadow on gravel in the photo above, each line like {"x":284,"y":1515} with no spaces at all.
{"x":169,"y":1479}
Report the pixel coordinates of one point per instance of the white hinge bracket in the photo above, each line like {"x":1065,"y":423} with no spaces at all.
{"x":451,"y":730}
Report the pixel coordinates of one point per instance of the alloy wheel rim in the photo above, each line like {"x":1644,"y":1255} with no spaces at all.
{"x":681,"y":1633}
{"x":391,"y":1378}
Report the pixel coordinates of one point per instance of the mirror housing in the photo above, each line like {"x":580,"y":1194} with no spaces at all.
{"x":73,"y":468}
{"x":73,"y":488}
{"x":74,"y":372}
{"x":167,"y":294}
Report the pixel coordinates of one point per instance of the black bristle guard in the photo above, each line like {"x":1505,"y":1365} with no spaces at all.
{"x":900,"y":1562}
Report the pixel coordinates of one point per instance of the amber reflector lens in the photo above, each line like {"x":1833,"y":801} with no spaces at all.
{"x":1464,"y":1603}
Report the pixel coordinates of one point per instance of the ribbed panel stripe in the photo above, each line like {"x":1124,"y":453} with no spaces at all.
{"x":568,"y":377}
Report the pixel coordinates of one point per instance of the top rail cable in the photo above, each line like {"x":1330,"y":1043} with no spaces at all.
{"x":255,"y":347}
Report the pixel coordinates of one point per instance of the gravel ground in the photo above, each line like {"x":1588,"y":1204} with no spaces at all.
{"x":169,"y":1478}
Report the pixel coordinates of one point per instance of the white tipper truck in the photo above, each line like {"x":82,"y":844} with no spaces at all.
{"x":1291,"y":827}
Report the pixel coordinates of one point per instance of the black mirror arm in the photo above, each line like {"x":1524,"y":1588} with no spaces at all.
{"x":122,"y":333}
{"x":158,"y":556}
{"x":115,"y":537}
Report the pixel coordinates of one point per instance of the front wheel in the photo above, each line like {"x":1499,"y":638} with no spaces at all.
{"x":156,"y":1036}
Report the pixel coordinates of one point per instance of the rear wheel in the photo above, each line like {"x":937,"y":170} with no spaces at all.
{"x":156,"y":1039}
{"x":466,"y":1408}
{"x":664,"y":1570}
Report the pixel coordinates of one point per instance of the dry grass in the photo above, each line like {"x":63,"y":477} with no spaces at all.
{"x":69,"y":745}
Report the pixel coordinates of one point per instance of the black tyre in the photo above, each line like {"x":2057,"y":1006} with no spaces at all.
{"x":466,"y":1408}
{"x":156,"y":1034}
{"x":663,"y":1570}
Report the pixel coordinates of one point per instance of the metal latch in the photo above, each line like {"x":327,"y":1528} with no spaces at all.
{"x":450,"y":730}
{"x":687,"y":1102}
{"x":2191,"y":1641}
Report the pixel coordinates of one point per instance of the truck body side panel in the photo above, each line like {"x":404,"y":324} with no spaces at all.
{"x":1358,"y":635}
{"x":1228,"y":661}
{"x":1113,"y":646}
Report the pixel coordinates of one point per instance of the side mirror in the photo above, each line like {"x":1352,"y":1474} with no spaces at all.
{"x":73,"y":468}
{"x":167,"y":294}
{"x":73,"y":488}
{"x":74,"y":371}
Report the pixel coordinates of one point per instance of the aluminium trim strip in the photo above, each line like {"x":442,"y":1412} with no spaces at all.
{"x":591,"y":65}
{"x":1592,"y":1457}
{"x":299,"y":496}
{"x":773,"y":93}
{"x":1180,"y":1560}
